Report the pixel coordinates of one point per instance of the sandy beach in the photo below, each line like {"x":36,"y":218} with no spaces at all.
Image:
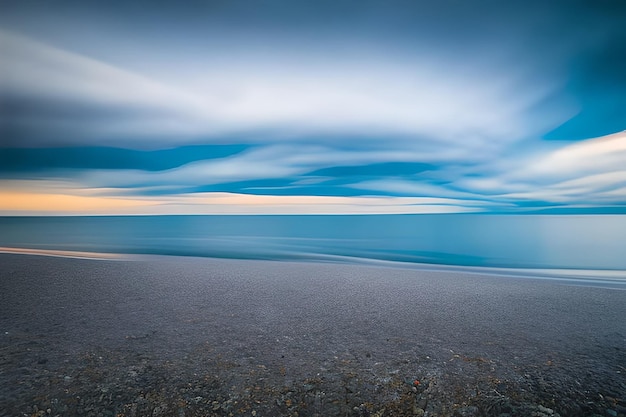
{"x":182,"y":336}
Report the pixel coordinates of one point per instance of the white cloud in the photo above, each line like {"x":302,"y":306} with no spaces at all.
{"x":586,"y":172}
{"x":61,"y":86}
{"x":592,"y":190}
{"x":595,"y":182}
{"x":441,"y":105}
{"x":271,"y":161}
{"x":592,"y":156}
{"x":416,"y":188}
{"x":258,"y":163}
{"x":427,"y":110}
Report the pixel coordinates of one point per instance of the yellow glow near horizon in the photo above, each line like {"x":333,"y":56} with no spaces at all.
{"x":17,"y":201}
{"x":66,"y":203}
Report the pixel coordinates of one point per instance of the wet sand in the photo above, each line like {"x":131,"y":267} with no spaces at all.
{"x":209,"y":337}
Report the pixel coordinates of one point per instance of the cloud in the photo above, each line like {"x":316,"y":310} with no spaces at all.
{"x":418,"y":98}
{"x":51,"y":95}
{"x":259,"y":162}
{"x":594,"y":190}
{"x":54,"y":95}
{"x":407,"y":187}
{"x":592,"y":156}
{"x":63,"y":198}
{"x":401,"y":123}
{"x":589,"y":172}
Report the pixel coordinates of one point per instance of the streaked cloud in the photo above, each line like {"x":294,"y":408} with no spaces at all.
{"x":420,"y":107}
{"x":80,"y":99}
{"x":54,"y":96}
{"x":87,"y":202}
{"x":587,"y":172}
{"x":599,"y":155}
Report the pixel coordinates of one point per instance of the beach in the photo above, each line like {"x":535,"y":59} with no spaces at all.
{"x":185,"y":336}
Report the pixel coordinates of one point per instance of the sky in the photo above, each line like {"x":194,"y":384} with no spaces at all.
{"x":282,"y":106}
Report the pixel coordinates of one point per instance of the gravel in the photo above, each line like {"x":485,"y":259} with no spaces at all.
{"x":175,"y":336}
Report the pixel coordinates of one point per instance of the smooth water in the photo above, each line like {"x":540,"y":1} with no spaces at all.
{"x":510,"y":241}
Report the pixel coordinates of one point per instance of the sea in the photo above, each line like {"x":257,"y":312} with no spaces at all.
{"x":554,"y":242}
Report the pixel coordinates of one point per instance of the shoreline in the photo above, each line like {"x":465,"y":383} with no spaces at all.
{"x":61,"y":253}
{"x":204,"y":336}
{"x":605,"y":278}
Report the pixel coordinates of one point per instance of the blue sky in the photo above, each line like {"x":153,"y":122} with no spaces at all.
{"x":312,"y":107}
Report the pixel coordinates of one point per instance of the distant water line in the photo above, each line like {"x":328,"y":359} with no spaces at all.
{"x":586,"y":242}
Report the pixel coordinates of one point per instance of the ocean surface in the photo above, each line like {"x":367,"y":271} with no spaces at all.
{"x":576,"y":242}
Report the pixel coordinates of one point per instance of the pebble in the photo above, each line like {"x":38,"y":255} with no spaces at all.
{"x":545,"y":410}
{"x":611,"y":412}
{"x":466,"y":411}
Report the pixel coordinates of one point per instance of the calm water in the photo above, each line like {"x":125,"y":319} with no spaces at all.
{"x":517,"y":241}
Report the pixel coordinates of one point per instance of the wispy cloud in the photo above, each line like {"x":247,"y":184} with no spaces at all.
{"x":295,"y":172}
{"x":55,"y":96}
{"x":594,"y":156}
{"x":378,"y":110}
{"x":64,"y":198}
{"x":425,"y":101}
{"x":587,"y":172}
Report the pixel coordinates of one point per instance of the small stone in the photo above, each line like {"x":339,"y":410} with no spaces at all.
{"x":545,"y":410}
{"x":423,"y":401}
{"x":611,"y":412}
{"x":418,"y":412}
{"x":469,"y":411}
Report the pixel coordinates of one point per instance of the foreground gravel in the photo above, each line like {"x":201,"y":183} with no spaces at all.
{"x":168,"y":336}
